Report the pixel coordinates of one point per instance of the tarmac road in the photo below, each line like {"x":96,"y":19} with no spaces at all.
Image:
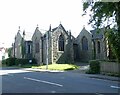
{"x":22,"y":81}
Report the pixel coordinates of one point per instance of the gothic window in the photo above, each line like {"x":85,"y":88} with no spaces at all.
{"x":98,"y":46}
{"x":37,"y":47}
{"x":29,"y":49}
{"x":84,"y":43}
{"x":61,"y":43}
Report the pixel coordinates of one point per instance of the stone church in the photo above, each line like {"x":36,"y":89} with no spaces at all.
{"x":59,"y":46}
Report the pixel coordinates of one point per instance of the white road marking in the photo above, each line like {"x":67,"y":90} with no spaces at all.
{"x":47,"y":82}
{"x":117,"y":87}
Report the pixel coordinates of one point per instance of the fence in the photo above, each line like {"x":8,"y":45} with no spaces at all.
{"x":109,"y":67}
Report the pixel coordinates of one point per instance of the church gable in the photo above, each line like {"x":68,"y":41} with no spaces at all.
{"x":36,"y":39}
{"x":60,"y":30}
{"x":37,"y":34}
{"x":18,"y":38}
{"x":61,"y":40}
{"x":84,"y":41}
{"x":84,"y":33}
{"x":60,"y":37}
{"x":17,"y":48}
{"x":37,"y":45}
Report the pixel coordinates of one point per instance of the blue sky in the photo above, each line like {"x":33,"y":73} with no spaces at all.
{"x":28,"y":13}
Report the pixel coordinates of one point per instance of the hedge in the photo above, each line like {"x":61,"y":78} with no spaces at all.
{"x":16,"y":61}
{"x":94,"y":67}
{"x":10,"y":61}
{"x":25,"y":61}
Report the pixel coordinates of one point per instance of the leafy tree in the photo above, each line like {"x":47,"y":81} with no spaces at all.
{"x":9,"y":50}
{"x":107,"y":15}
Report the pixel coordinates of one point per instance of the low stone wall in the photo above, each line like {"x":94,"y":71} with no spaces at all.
{"x":109,"y":67}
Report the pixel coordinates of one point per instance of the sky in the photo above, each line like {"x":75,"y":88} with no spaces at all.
{"x":28,"y":13}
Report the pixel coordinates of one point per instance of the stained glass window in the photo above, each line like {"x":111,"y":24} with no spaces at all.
{"x":84,"y":43}
{"x":61,"y":43}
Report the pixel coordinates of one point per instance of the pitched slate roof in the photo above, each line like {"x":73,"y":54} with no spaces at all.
{"x":97,"y":34}
{"x":54,"y":28}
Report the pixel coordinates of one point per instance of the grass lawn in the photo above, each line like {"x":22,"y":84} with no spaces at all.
{"x":62,"y":67}
{"x":54,"y":66}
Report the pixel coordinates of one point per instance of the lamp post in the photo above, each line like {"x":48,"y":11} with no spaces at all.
{"x":47,"y":50}
{"x":47,"y":39}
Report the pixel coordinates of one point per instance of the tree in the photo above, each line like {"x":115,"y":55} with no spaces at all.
{"x":107,"y":15}
{"x":9,"y":50}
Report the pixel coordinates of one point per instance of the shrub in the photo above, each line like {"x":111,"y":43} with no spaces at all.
{"x":94,"y":67}
{"x":16,"y":61}
{"x":24,"y":61}
{"x":3,"y":62}
{"x":21,"y":61}
{"x":9,"y":61}
{"x":34,"y":61}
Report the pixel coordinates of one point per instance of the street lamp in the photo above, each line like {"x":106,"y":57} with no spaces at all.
{"x":47,"y":50}
{"x":47,"y":39}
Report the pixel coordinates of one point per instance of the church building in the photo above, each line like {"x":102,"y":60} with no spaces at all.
{"x":59,"y":46}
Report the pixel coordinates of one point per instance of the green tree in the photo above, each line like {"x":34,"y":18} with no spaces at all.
{"x":107,"y":15}
{"x":9,"y":50}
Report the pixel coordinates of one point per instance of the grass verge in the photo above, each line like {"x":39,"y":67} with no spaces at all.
{"x":62,"y":67}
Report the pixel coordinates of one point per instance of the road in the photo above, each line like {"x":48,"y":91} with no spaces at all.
{"x":22,"y":81}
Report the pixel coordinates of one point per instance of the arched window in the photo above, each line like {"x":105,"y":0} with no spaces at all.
{"x":61,"y":43}
{"x":98,"y":46}
{"x":29,"y":48}
{"x":36,"y":47}
{"x":84,"y":43}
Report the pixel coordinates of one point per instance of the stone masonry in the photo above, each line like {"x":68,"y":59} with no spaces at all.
{"x":59,"y":46}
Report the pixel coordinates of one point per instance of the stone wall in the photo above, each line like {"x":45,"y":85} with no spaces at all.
{"x":102,"y":55}
{"x":18,"y":39}
{"x":37,"y":39}
{"x":28,"y":54}
{"x":47,"y":41}
{"x":61,"y":56}
{"x":58,"y":56}
{"x":84,"y":55}
{"x":50,"y":47}
{"x":72,"y":47}
{"x":103,"y":47}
